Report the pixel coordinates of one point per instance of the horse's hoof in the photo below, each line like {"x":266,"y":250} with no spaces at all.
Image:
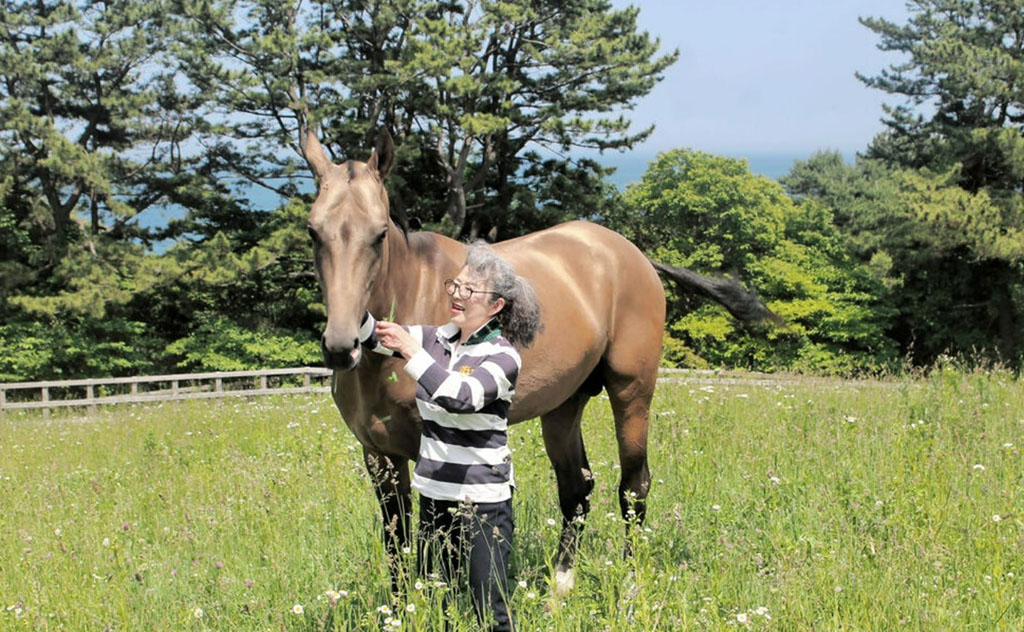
{"x":565,"y":581}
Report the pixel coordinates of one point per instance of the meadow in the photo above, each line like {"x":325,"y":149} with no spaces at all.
{"x":805,"y":505}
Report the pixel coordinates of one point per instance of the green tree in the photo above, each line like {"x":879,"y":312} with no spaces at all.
{"x":711,"y":214}
{"x":484,"y":98}
{"x":961,"y":127}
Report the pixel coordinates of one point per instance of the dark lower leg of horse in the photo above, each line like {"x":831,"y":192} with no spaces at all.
{"x":564,"y":443}
{"x":630,"y":398}
{"x":391,"y":483}
{"x":633,"y":490}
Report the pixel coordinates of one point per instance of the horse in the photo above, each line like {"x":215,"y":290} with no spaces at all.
{"x":603,"y":312}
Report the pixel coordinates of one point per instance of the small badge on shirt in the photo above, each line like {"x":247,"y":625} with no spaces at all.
{"x":465,"y":370}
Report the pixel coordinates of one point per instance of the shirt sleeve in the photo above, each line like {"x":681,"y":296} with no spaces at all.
{"x":455,"y":392}
{"x":368,"y":337}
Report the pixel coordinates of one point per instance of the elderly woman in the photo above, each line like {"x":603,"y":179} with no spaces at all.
{"x":466,"y":373}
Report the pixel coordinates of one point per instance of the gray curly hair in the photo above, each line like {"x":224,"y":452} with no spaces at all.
{"x":520,"y":318}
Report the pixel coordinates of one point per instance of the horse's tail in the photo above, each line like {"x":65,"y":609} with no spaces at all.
{"x":727,"y":291}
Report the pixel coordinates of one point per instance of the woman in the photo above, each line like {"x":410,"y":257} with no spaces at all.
{"x":466,"y":373}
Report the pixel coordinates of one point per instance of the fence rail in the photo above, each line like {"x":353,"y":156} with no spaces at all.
{"x":254,"y":383}
{"x":160,"y":388}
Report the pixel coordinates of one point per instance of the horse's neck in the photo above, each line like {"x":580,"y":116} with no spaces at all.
{"x":409,"y":282}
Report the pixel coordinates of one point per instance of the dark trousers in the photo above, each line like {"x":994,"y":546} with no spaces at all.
{"x":454,"y":537}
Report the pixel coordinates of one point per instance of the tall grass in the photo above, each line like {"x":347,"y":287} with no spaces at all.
{"x":817,"y":505}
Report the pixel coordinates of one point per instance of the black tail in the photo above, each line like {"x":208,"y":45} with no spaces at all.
{"x":741,"y":303}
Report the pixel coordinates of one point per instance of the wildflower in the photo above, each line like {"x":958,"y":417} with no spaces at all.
{"x":522,"y":583}
{"x":248,"y":583}
{"x":198,"y":613}
{"x":106,"y":542}
{"x":219,"y":564}
{"x":979,"y":467}
{"x":297,"y":609}
{"x":406,"y":550}
{"x":1007,"y":445}
{"x":333,"y":596}
{"x":838,"y":589}
{"x":761,"y":611}
{"x":410,"y":608}
{"x":383,"y":610}
{"x":418,"y":585}
{"x":57,"y":532}
{"x":996,"y":517}
{"x":716,"y":507}
{"x":396,"y":623}
{"x":551,"y":522}
{"x":741,"y":617}
{"x":775,"y":479}
{"x":531,"y":595}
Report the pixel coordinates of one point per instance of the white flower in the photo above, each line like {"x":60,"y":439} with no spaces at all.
{"x":383,"y":610}
{"x":333,"y":595}
{"x":979,"y":467}
{"x":406,"y":550}
{"x":716,"y":507}
{"x":761,"y":611}
{"x":741,"y":617}
{"x":775,"y":479}
{"x":411,"y":608}
{"x":198,"y":613}
{"x":996,"y":517}
{"x":297,"y":609}
{"x":418,"y":585}
{"x":396,"y":623}
{"x":531,"y":595}
{"x":551,"y":522}
{"x":522,"y":583}
{"x":106,"y":542}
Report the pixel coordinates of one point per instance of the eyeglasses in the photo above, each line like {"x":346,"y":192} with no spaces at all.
{"x":454,"y":288}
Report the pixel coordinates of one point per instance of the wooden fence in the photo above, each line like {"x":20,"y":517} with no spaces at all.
{"x":159,"y":388}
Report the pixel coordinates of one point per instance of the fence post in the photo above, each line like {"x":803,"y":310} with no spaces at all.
{"x":89,"y":396}
{"x":263,"y":382}
{"x":3,"y":397}
{"x":305,"y":382}
{"x":174,"y":387}
{"x":218,"y":385}
{"x":45,"y":397}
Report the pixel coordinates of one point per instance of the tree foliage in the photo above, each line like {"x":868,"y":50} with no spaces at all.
{"x":485,"y":98}
{"x":711,"y":214}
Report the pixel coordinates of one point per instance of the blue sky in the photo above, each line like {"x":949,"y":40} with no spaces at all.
{"x":759,"y":78}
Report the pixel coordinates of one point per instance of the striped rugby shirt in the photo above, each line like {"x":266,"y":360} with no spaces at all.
{"x":463,"y":394}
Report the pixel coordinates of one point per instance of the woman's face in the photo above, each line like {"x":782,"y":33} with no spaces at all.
{"x":469,"y":314}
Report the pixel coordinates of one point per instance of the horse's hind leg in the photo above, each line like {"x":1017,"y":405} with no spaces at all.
{"x":630,"y":395}
{"x":563,"y":440}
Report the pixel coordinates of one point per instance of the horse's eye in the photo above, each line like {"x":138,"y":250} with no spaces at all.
{"x":377,"y":243}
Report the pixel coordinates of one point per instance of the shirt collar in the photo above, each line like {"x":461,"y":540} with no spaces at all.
{"x":490,"y":330}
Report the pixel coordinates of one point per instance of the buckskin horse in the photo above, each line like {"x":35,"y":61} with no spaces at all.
{"x":603,"y":312}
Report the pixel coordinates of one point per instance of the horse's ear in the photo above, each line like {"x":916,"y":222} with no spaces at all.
{"x":314,"y":152}
{"x":383,"y":155}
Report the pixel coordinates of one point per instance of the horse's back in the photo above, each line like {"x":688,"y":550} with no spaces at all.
{"x":595,"y":289}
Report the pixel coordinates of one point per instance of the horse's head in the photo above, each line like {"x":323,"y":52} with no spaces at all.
{"x":348,"y":224}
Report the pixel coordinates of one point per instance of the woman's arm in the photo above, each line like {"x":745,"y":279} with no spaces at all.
{"x":456,"y":392}
{"x":369,"y":336}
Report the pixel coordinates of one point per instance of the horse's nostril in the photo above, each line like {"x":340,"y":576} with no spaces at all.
{"x":355,"y":343}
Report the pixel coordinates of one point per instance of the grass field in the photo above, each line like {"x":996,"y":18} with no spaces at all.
{"x":807,"y":506}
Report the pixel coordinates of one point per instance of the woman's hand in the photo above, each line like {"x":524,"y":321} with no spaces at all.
{"x":396,"y":338}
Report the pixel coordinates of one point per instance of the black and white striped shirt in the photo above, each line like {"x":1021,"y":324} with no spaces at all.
{"x":463,"y":394}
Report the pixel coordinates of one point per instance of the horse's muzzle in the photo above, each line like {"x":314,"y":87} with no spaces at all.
{"x":341,"y":357}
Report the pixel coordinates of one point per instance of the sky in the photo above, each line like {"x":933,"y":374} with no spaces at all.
{"x":764,"y":79}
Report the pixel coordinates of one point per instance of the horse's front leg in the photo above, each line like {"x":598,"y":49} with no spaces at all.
{"x":390,"y":477}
